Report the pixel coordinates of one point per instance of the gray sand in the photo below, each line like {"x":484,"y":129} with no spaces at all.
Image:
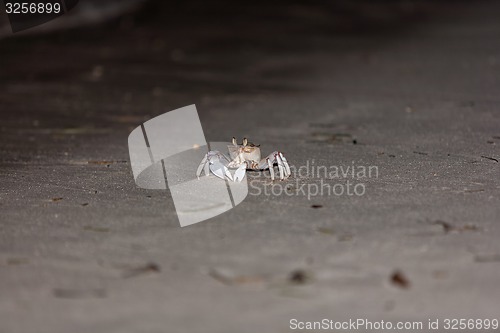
{"x":82,"y":249}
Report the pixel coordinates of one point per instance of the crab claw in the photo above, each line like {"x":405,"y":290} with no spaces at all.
{"x":240,"y":173}
{"x":220,"y":170}
{"x":281,"y":167}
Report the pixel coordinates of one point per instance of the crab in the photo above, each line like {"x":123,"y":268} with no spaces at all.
{"x":244,"y":156}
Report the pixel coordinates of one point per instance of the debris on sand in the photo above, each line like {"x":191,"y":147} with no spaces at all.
{"x":400,"y":280}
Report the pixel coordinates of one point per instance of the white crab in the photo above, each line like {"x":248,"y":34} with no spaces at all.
{"x":244,"y":156}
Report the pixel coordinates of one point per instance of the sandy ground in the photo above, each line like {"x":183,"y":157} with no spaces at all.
{"x":82,"y":249}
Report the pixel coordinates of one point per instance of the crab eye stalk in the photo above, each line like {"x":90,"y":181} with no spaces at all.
{"x":234,"y":141}
{"x":245,"y":142}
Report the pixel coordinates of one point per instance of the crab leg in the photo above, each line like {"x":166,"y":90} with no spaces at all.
{"x":285,"y":162}
{"x":215,"y":162}
{"x":280,"y":166}
{"x":270,"y":165}
{"x":203,"y":165}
